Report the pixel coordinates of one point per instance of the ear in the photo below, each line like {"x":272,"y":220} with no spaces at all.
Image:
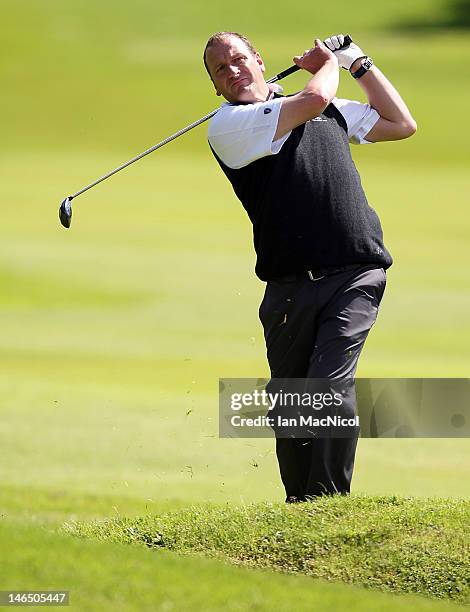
{"x":260,"y":61}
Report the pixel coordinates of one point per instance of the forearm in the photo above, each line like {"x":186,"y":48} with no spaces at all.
{"x":383,"y":96}
{"x":324,"y":83}
{"x":312,"y":100}
{"x":395,"y":121}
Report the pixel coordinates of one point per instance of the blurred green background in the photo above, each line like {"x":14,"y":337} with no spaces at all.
{"x":115,"y":332}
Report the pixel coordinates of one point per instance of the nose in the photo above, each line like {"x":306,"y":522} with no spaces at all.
{"x":234,"y":71}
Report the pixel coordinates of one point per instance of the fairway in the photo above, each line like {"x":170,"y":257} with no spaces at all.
{"x":116,"y":331}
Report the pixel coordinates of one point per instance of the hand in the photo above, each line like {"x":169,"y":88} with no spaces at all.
{"x":348,"y":55}
{"x":313,"y":59}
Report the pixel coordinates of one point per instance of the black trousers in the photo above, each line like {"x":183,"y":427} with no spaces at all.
{"x":317,"y":329}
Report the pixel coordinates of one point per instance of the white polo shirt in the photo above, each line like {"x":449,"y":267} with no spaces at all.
{"x":241,"y":134}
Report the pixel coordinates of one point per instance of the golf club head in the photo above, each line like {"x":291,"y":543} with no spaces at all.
{"x":65,"y":212}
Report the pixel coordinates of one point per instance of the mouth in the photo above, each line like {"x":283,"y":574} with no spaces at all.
{"x":240,"y":82}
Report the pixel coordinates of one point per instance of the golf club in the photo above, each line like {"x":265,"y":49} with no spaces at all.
{"x":65,"y":209}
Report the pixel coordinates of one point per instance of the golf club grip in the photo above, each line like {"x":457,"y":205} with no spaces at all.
{"x":292,"y":69}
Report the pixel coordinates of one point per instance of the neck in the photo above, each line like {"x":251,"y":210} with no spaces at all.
{"x":263,"y":94}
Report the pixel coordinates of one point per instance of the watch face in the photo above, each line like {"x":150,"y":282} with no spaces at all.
{"x":366,"y":64}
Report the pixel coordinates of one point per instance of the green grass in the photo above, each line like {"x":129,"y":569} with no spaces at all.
{"x":115,"y":332}
{"x":108,"y":576}
{"x":393,"y":544}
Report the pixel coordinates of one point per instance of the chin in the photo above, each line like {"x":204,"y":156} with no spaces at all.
{"x":245,"y":95}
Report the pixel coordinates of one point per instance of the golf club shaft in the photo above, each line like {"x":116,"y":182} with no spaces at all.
{"x":278,"y":77}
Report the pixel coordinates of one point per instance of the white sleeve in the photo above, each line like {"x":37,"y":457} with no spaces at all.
{"x":243,"y":133}
{"x":360,"y":118}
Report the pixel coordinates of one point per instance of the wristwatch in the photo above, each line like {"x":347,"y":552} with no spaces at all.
{"x":366,"y":65}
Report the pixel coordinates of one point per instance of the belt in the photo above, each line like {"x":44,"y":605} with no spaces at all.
{"x":317,"y":273}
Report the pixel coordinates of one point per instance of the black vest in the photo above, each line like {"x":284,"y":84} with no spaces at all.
{"x":307,"y":204}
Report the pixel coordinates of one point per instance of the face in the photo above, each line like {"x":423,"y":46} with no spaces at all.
{"x":237,"y":74}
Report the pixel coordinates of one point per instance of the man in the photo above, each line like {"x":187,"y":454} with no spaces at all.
{"x":319,"y":245}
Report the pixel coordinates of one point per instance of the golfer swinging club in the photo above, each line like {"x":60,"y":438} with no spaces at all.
{"x":318,"y":243}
